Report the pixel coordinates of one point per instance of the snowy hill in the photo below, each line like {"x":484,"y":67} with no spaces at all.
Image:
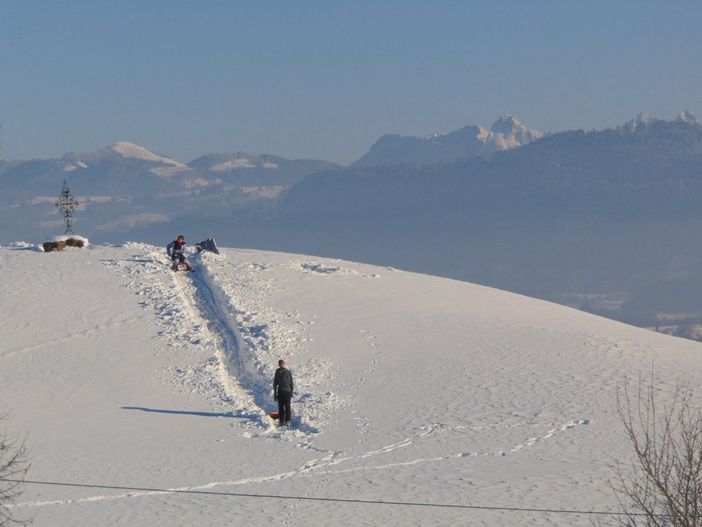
{"x":409,"y":388}
{"x":470,"y":141}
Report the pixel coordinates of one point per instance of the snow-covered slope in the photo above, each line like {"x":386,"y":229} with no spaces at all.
{"x":409,"y":388}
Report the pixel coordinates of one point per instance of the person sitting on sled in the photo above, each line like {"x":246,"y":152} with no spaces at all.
{"x":176,"y":250}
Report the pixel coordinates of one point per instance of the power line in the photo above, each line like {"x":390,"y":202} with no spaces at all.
{"x":333,"y":500}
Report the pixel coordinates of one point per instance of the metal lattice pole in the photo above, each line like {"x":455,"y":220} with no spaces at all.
{"x":67,"y":204}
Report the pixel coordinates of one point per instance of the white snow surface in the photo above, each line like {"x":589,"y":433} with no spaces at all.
{"x":408,"y":388}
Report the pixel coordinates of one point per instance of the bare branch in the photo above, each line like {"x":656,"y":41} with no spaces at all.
{"x":14,"y":465}
{"x":663,"y":488}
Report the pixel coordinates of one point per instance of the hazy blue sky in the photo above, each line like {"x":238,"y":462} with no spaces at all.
{"x":326,"y":79}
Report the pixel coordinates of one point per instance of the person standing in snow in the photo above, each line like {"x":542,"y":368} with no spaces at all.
{"x":176,"y":251}
{"x":282,"y":392}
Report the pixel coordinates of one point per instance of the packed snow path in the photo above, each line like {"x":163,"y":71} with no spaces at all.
{"x":194,"y":308}
{"x":243,"y":378}
{"x":409,"y":388}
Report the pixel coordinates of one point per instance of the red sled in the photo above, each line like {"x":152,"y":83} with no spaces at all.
{"x":181,"y":267}
{"x":273,"y":415}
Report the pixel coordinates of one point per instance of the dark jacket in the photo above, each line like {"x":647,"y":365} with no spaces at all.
{"x":175,"y":249}
{"x":283,"y":381}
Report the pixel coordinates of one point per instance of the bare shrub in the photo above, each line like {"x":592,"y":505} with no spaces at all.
{"x":13,"y":469}
{"x":664,"y":485}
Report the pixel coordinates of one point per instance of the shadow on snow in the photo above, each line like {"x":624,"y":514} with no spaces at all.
{"x":181,"y":412}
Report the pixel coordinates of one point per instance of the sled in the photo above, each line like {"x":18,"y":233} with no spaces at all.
{"x":181,"y":267}
{"x":208,"y":245}
{"x":273,"y":415}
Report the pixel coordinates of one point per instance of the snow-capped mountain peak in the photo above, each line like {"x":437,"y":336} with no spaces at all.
{"x":643,"y":119}
{"x":471,"y":140}
{"x":646,"y":119}
{"x":130,"y":150}
{"x":687,"y":117}
{"x":506,"y":123}
{"x":510,"y":132}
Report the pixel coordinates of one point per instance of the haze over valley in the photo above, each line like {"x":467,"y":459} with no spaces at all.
{"x":606,"y":221}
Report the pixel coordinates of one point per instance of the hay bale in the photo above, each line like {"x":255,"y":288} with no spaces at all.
{"x":59,"y":243}
{"x":75,"y":242}
{"x":54,"y":246}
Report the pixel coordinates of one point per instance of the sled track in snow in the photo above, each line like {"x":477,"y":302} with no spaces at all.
{"x":242,"y":375}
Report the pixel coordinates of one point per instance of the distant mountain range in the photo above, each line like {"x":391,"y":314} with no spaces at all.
{"x":648,"y":166}
{"x":473,"y":172}
{"x":125,"y":186}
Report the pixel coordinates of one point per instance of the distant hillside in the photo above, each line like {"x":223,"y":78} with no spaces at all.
{"x":261,"y":170}
{"x":126,"y":186}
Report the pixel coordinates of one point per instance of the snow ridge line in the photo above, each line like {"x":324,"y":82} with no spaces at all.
{"x":238,"y":362}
